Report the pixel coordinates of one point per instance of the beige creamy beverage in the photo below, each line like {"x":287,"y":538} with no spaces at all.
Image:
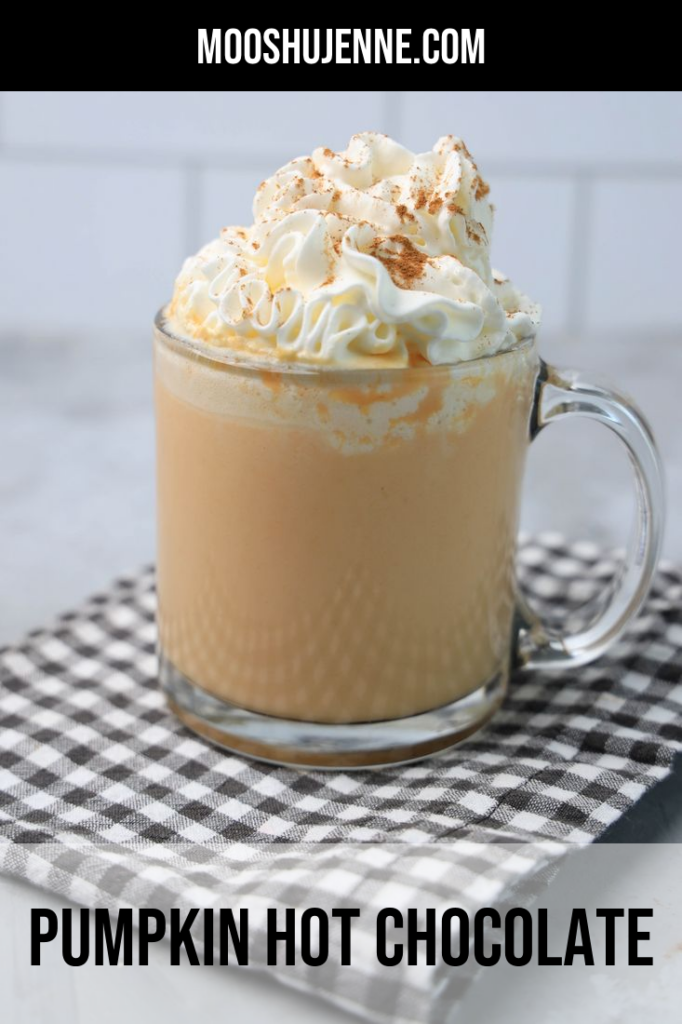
{"x":339,"y":552}
{"x":339,"y":458}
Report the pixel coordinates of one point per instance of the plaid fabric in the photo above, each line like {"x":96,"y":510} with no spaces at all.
{"x":107,"y":799}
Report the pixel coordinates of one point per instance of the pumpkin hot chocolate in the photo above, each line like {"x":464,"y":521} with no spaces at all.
{"x":339,"y":455}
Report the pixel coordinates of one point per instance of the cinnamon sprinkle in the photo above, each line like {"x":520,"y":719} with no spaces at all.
{"x":404,"y":213}
{"x":421,"y":199}
{"x":481,"y":187}
{"x":405,"y":263}
{"x":431,"y":200}
{"x":461,"y":147}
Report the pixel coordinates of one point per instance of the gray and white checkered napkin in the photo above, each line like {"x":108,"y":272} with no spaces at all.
{"x":106,"y":798}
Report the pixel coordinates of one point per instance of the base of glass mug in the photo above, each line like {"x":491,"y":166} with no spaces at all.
{"x":323,"y":744}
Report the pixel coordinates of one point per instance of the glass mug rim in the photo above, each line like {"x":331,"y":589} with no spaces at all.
{"x":226,"y":359}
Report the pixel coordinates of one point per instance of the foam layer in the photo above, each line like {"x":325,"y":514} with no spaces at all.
{"x":352,"y":412}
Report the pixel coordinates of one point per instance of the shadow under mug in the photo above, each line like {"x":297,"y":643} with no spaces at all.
{"x":336,"y":579}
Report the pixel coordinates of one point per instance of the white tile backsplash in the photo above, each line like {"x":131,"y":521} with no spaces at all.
{"x":86,"y":247}
{"x":140,"y":122}
{"x":531,"y":240}
{"x":123,"y":185}
{"x":634,"y":270}
{"x":574,"y":127}
{"x":227,"y":198}
{"x":191,"y":124}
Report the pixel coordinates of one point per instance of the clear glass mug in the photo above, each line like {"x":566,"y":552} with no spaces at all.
{"x":336,"y":548}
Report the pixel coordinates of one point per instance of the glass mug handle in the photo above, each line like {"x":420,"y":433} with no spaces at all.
{"x":561,"y":394}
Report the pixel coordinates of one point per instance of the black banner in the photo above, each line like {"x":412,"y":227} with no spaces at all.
{"x":511,"y":51}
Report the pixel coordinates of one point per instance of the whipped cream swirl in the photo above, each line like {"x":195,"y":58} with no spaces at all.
{"x":372,"y":257}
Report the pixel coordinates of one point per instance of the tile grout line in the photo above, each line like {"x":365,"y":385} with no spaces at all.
{"x":252,"y":160}
{"x":157,"y":159}
{"x":580,"y":253}
{"x":393,"y":114}
{"x":193,"y":203}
